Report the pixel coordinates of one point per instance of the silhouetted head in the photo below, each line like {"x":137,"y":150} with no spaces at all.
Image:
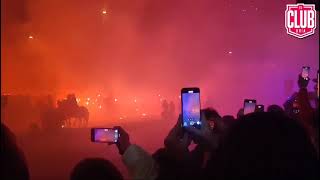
{"x":228,"y":120}
{"x":212,"y":116}
{"x":275,"y":108}
{"x":95,"y":168}
{"x":240,"y":113}
{"x":13,"y":163}
{"x":265,"y":145}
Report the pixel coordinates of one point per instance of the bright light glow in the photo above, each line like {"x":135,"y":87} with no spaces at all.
{"x":120,"y":118}
{"x":99,"y":95}
{"x":88,"y":99}
{"x":87,"y":103}
{"x":78,"y":99}
{"x":144,"y":114}
{"x":135,"y":100}
{"x":104,"y":11}
{"x":62,"y":126}
{"x":159,"y":95}
{"x":115,"y":99}
{"x":230,"y":52}
{"x":100,"y":107}
{"x":30,"y":37}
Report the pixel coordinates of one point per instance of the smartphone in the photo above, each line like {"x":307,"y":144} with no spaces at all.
{"x":260,"y":108}
{"x":305,"y":72}
{"x":104,"y":135}
{"x":249,"y":106}
{"x":190,"y":102}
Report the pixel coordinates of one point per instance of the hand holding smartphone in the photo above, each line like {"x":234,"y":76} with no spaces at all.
{"x":104,"y":135}
{"x":259,"y":108}
{"x":249,"y":106}
{"x":190,"y":102}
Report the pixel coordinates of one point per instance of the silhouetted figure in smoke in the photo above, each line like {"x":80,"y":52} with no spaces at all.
{"x":95,"y":168}
{"x":72,"y":111}
{"x":172,"y":110}
{"x":165,"y":110}
{"x":13,"y":163}
{"x":51,"y":118}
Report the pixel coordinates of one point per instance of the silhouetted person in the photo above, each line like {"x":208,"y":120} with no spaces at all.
{"x":219,"y":126}
{"x":171,"y":110}
{"x":240,"y":113}
{"x":139,"y":162}
{"x":228,"y":120}
{"x":95,"y":169}
{"x":265,"y":145}
{"x":275,"y":108}
{"x":165,"y":110}
{"x":13,"y":163}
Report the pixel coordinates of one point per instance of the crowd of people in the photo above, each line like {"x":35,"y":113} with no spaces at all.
{"x":281,"y":142}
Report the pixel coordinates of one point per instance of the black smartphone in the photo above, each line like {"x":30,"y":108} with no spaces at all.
{"x":259,"y":108}
{"x":305,"y":72}
{"x":190,"y":102}
{"x":104,"y":135}
{"x":249,"y":106}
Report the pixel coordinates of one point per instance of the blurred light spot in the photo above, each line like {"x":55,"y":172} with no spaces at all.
{"x":30,"y":37}
{"x":230,"y":52}
{"x":115,"y":99}
{"x":100,"y":107}
{"x":144,"y":114}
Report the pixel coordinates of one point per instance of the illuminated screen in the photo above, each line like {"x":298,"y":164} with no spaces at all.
{"x":249,"y":107}
{"x":191,"y":109}
{"x":106,"y":135}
